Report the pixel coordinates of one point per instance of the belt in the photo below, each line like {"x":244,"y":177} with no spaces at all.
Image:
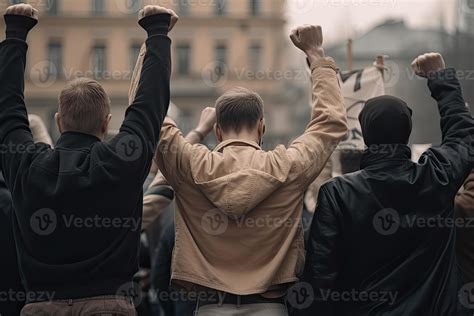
{"x":221,"y":298}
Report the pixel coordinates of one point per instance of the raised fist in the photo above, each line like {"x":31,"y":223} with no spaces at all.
{"x":428,"y":64}
{"x":309,"y":38}
{"x":22,"y":9}
{"x":207,"y":120}
{"x":156,"y":9}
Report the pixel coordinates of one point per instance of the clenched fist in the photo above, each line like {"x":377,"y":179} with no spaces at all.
{"x":155,"y":9}
{"x":428,"y":64}
{"x":22,"y":9}
{"x":309,"y":38}
{"x":207,"y":121}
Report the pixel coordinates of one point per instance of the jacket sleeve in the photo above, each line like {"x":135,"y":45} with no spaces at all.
{"x":157,"y":198}
{"x":455,"y":156}
{"x":328,"y":125}
{"x":16,"y":140}
{"x":324,"y":253}
{"x":465,"y":198}
{"x":173,"y":155}
{"x":150,"y":97}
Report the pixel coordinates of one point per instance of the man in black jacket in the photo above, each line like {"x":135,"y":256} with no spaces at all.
{"x":382,"y":239}
{"x":11,"y":290}
{"x":78,"y":207}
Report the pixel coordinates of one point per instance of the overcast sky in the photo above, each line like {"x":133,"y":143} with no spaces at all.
{"x":342,"y":19}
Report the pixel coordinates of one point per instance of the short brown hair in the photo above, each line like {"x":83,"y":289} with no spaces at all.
{"x":83,"y":106}
{"x":238,"y":109}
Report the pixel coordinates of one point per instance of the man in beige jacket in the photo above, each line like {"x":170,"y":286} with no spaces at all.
{"x":465,"y":234}
{"x":239,"y":241}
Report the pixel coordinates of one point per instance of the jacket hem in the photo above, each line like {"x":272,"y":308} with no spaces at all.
{"x":201,"y":282}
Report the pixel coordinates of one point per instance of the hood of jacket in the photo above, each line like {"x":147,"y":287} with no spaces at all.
{"x":237,"y":175}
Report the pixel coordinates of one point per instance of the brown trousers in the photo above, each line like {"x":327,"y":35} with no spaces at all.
{"x":94,"y":306}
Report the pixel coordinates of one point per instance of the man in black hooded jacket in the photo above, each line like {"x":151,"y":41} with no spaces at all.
{"x":382,"y":239}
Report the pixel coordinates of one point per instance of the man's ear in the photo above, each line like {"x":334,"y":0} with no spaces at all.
{"x":57,"y":119}
{"x":261,"y":129}
{"x":105,"y":125}
{"x":218,"y":132}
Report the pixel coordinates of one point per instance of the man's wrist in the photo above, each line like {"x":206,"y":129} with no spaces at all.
{"x":18,"y":26}
{"x":157,"y":24}
{"x":314,"y":55}
{"x":199,"y":132}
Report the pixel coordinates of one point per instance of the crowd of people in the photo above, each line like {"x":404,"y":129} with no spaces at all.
{"x":152,"y":222}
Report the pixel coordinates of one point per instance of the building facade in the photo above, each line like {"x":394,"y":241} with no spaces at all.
{"x":218,"y":44}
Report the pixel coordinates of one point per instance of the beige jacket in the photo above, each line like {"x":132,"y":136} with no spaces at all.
{"x":238,"y":208}
{"x":465,"y":235}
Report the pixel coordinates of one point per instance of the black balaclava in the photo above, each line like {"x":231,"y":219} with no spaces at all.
{"x":386,"y":120}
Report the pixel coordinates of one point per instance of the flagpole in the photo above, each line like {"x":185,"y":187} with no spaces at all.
{"x":349,"y":54}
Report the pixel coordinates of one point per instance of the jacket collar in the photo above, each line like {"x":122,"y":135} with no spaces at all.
{"x":380,"y":156}
{"x":76,"y":140}
{"x":238,"y":142}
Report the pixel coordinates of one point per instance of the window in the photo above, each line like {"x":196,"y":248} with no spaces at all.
{"x":221,"y":58}
{"x":55,"y":58}
{"x":52,"y":7}
{"x":183,"y":52}
{"x":134,"y":53}
{"x":255,"y":56}
{"x":99,"y":60}
{"x":221,"y":7}
{"x":255,"y":7}
{"x":183,"y":7}
{"x":98,"y":7}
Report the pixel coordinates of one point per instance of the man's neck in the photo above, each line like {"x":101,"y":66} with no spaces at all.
{"x":244,"y":135}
